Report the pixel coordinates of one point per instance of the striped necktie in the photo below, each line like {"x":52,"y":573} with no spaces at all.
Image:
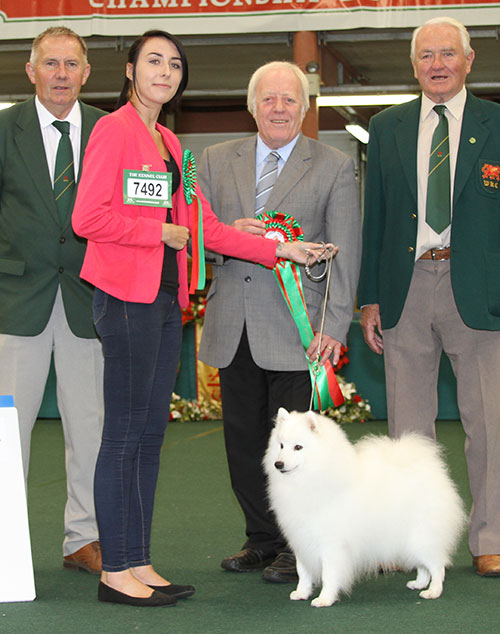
{"x":438,"y":208}
{"x":64,"y":172}
{"x":266,"y":181}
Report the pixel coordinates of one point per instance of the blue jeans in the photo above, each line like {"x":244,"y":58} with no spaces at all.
{"x":141,"y":345}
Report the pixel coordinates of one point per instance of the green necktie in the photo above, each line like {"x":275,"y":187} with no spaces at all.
{"x":64,"y":172}
{"x":437,"y":213}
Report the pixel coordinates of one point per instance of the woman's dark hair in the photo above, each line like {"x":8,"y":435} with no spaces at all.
{"x":133,"y":56}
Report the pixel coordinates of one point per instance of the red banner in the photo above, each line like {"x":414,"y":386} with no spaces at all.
{"x":21,"y":18}
{"x":19,"y":9}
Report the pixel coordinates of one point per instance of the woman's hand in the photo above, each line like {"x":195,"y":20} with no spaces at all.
{"x":303,"y":252}
{"x":175,"y":236}
{"x":250,"y":225}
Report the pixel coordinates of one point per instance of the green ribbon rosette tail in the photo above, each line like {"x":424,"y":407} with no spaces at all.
{"x":198,"y":248}
{"x":283,"y":227}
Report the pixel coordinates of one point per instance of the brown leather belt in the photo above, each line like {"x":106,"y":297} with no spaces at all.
{"x":436,"y":254}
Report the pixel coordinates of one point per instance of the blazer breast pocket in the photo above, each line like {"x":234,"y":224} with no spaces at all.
{"x":9,"y":266}
{"x":487,"y":177}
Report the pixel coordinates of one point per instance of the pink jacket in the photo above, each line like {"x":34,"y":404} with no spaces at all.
{"x":124,"y":254}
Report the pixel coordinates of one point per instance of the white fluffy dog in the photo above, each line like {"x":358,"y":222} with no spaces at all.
{"x":348,"y":510}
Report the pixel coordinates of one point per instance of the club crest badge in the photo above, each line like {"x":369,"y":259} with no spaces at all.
{"x":490,"y":175}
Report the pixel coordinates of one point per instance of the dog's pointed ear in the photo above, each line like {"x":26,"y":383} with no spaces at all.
{"x":311,"y":421}
{"x":282,"y":415}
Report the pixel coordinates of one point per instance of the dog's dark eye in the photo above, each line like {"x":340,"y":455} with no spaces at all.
{"x":281,"y":445}
{"x":297,"y":447}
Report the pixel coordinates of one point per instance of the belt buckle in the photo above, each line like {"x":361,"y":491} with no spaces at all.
{"x":433,"y":254}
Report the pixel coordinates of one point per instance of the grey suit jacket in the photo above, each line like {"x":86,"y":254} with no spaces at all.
{"x":318,"y":187}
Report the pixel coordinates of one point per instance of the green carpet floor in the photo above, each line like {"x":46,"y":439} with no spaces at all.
{"x":197,"y":523}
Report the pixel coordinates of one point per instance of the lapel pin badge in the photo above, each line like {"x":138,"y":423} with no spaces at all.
{"x":472,"y":139}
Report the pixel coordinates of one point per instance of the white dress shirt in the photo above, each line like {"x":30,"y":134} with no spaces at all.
{"x":51,"y":135}
{"x":427,"y":238}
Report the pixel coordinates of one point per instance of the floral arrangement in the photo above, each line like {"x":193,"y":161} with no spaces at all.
{"x":183,"y":410}
{"x":354,"y":409}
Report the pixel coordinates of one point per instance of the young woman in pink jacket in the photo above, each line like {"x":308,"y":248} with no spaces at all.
{"x":137,"y":225}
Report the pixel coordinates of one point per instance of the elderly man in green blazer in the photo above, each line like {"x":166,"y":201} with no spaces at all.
{"x":430,"y":278}
{"x":45,"y":309}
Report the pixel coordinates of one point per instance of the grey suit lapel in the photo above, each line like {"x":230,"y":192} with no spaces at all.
{"x":298,"y":164}
{"x":30,"y":144}
{"x":243,"y":166}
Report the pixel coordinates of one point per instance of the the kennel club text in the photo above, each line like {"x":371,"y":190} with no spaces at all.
{"x":151,"y":189}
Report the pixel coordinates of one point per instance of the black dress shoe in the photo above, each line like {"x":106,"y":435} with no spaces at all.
{"x":110,"y":595}
{"x":174,"y":590}
{"x":248,"y":559}
{"x":282,"y":570}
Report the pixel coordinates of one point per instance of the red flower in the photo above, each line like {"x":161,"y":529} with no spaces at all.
{"x":356,"y":398}
{"x":344,"y":359}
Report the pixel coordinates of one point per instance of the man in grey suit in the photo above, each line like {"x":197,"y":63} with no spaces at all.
{"x":249,"y":333}
{"x":45,"y":309}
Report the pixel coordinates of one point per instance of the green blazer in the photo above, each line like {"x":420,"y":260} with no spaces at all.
{"x":37,"y":253}
{"x":390,"y":224}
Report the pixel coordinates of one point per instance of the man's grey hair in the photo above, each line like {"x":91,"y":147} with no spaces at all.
{"x":260,"y":72}
{"x":462,"y":31}
{"x":57,"y":31}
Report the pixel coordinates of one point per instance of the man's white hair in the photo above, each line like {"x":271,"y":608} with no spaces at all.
{"x":260,"y":72}
{"x":462,"y":31}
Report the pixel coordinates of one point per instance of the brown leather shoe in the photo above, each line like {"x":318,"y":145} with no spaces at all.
{"x":487,"y":565}
{"x":88,"y":558}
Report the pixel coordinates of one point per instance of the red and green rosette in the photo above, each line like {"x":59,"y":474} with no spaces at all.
{"x":280,"y":226}
{"x":283,"y":227}
{"x":197,"y":245}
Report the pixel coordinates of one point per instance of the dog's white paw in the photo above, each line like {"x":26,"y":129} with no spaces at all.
{"x":415,"y":585}
{"x":431,"y":593}
{"x":320,"y":602}
{"x":422,"y":580}
{"x":295,"y":595}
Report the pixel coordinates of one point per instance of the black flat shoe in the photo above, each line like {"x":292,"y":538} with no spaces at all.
{"x":175,"y":590}
{"x":110,"y":595}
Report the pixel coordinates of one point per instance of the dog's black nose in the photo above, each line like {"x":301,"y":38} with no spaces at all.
{"x":279,"y":464}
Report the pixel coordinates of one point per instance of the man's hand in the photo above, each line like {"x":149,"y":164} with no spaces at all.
{"x":372,"y":329}
{"x":329,"y":347}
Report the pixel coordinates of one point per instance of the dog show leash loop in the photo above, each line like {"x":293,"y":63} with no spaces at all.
{"x":327,"y":272}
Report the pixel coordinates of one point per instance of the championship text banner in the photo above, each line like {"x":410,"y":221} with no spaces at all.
{"x":26,"y":18}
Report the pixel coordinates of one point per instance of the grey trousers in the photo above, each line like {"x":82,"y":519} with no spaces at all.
{"x":24,"y":367}
{"x":429,"y":324}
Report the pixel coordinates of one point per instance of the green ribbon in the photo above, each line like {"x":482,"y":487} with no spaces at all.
{"x":198,"y":277}
{"x":327,"y":392}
